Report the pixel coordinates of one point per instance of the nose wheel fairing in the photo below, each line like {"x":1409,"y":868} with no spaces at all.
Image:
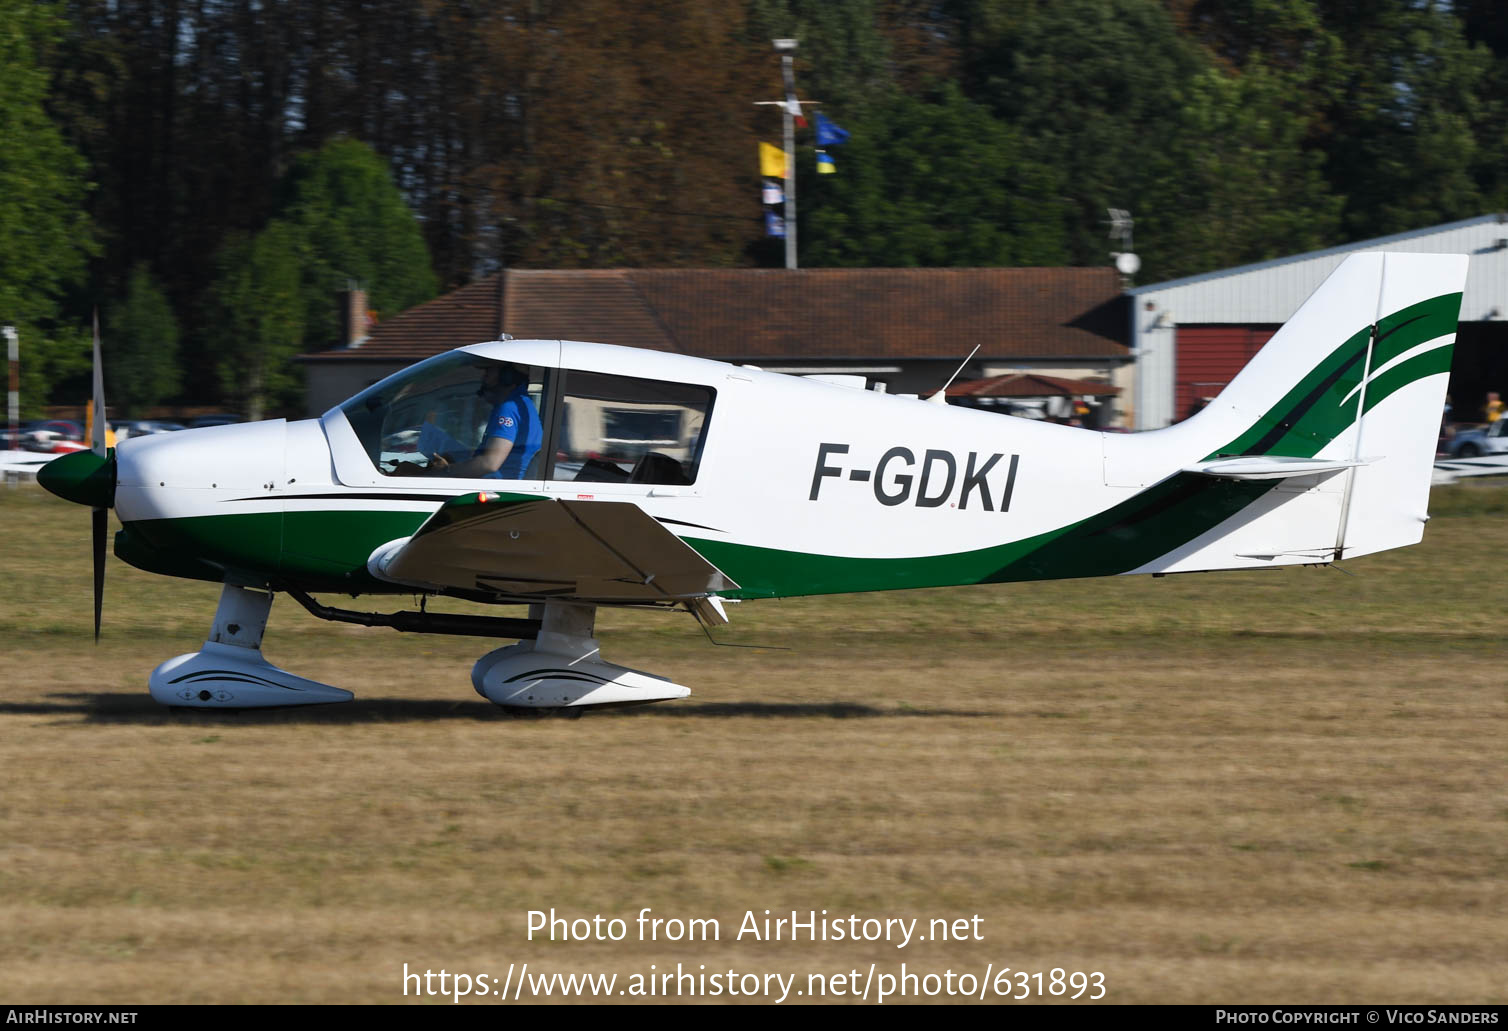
{"x":229,"y":672}
{"x":224,"y":677}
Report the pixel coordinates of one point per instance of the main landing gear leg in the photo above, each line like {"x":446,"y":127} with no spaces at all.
{"x":229,"y":671}
{"x":563,"y":668}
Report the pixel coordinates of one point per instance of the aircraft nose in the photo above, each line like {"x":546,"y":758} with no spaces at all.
{"x":82,"y":477}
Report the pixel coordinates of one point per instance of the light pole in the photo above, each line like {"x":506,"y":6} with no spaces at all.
{"x":790,"y":109}
{"x":786,"y":48}
{"x":13,"y":395}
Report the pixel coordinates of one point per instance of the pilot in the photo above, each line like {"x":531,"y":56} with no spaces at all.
{"x":513,"y":435}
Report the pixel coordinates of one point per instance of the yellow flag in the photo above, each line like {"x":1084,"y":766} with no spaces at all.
{"x":89,"y":426}
{"x":771,"y":161}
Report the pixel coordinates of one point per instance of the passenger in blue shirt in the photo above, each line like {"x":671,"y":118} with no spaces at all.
{"x":513,"y":434}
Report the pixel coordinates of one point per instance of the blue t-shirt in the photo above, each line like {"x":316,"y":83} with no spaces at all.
{"x":514,"y":419}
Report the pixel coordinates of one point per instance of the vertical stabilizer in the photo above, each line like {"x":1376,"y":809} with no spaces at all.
{"x":1326,"y":440}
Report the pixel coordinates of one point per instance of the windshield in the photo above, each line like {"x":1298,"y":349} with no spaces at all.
{"x":458,"y":414}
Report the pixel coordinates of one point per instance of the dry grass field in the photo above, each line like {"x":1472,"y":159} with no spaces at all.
{"x":1282,"y":786}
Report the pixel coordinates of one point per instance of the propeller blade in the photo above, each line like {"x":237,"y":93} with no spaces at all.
{"x":98,"y":443}
{"x":101,"y":527}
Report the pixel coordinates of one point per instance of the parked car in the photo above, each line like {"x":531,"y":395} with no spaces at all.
{"x":19,"y":440}
{"x":125,"y":428}
{"x":54,"y":435}
{"x":214,"y":419}
{"x":1489,"y":440}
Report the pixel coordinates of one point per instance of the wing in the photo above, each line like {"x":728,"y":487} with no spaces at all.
{"x":599,"y":551}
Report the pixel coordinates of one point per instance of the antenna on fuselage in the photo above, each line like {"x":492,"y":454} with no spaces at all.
{"x":941,"y":397}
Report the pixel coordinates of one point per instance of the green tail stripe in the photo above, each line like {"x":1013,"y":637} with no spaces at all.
{"x":1412,"y":326}
{"x":1321,"y":406}
{"x":1335,"y":410}
{"x":1430,"y":363}
{"x":1342,"y":365}
{"x":1309,"y":429}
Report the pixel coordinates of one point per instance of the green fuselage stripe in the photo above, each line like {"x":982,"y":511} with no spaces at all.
{"x":1122,"y":538}
{"x":323,"y":550}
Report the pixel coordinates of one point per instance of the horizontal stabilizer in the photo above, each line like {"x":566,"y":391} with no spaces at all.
{"x":522,"y":547}
{"x":1272,"y":467}
{"x":1325,"y":555}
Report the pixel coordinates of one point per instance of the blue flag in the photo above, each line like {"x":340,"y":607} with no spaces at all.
{"x":829,"y":134}
{"x":774,"y":225}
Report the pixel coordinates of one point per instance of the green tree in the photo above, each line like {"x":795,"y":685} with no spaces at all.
{"x":1407,"y":116}
{"x":341,"y":221}
{"x":1483,"y":23}
{"x":628,"y":134}
{"x":933,"y":181}
{"x":1095,"y":89}
{"x":353,"y":226}
{"x":141,"y":336}
{"x":45,"y":237}
{"x":1205,"y":118}
{"x":1245,"y":188}
{"x":1286,"y":35}
{"x":843,"y":59}
{"x":258,"y":299}
{"x":1402,"y":97}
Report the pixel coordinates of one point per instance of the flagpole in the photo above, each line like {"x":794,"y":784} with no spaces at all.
{"x":790,"y":185}
{"x":13,"y":395}
{"x":786,"y":48}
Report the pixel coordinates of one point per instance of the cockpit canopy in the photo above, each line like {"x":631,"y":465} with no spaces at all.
{"x":561,"y":424}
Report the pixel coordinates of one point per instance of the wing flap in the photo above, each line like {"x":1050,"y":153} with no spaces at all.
{"x":607,"y":551}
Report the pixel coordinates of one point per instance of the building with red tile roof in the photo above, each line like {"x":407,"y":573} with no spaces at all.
{"x":905,"y":330}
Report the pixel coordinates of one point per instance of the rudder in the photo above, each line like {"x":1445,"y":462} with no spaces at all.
{"x":1401,"y":402}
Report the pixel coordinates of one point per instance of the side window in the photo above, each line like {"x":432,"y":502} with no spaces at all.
{"x":620,"y":429}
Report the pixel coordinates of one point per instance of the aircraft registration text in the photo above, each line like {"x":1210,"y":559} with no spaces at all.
{"x":933,"y":478}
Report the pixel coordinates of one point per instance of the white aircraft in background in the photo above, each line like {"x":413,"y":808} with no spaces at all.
{"x":663,"y":480}
{"x":22,"y":463}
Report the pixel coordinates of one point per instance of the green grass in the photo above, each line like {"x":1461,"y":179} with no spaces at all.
{"x":1278,"y":786}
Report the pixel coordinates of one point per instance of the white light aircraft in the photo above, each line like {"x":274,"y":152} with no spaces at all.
{"x":649,"y":479}
{"x":23,"y":463}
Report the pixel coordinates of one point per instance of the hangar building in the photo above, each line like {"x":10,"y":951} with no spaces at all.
{"x":1191,"y":336}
